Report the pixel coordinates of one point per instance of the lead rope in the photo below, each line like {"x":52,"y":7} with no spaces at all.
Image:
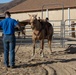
{"x":19,"y":44}
{"x":29,"y":60}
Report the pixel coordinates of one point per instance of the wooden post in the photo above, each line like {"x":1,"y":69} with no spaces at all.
{"x":73,"y":28}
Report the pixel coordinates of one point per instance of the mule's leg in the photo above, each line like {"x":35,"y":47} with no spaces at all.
{"x":41,"y":47}
{"x":49,"y":42}
{"x":34,"y":41}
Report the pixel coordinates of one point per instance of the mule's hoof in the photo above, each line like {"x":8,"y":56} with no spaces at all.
{"x":32,"y":57}
{"x":42,"y":55}
{"x":32,"y":54}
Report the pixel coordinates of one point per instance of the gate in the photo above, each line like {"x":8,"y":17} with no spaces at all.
{"x":70,"y":32}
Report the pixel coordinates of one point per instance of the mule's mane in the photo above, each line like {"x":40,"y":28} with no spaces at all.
{"x":35,"y":21}
{"x":37,"y":24}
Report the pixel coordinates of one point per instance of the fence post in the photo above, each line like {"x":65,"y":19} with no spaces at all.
{"x":73,"y":28}
{"x":62,"y":33}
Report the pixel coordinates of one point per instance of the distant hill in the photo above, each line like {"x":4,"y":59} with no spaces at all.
{"x":6,"y":6}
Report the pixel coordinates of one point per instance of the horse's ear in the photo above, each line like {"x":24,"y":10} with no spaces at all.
{"x":35,"y":15}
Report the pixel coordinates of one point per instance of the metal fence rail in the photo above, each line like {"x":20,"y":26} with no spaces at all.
{"x":58,"y":31}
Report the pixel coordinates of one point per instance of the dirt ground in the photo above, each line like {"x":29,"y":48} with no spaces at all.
{"x":61,"y":62}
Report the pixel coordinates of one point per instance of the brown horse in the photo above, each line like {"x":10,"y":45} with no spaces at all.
{"x":41,"y":30}
{"x":22,"y":25}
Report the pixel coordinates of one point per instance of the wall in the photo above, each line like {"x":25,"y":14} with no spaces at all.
{"x":53,"y":15}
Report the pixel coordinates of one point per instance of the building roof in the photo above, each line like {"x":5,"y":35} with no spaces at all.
{"x":5,"y":6}
{"x":36,"y":5}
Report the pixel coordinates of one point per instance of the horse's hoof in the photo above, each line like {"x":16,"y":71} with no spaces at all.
{"x":51,"y":53}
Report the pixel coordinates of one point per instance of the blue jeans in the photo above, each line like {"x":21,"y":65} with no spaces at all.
{"x":9,"y":43}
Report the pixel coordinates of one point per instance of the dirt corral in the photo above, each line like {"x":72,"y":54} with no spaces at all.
{"x":61,"y":62}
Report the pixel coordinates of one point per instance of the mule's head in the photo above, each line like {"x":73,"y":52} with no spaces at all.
{"x":33,"y":19}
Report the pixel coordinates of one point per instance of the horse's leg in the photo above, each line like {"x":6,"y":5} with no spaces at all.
{"x":18,"y":34}
{"x":49,"y":42}
{"x":23,"y":34}
{"x":42,"y":47}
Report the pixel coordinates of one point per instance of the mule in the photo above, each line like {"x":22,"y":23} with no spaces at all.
{"x":41,"y":30}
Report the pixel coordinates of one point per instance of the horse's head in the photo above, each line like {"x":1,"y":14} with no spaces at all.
{"x":33,"y":19}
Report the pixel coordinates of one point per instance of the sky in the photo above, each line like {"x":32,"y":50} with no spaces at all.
{"x":5,"y":1}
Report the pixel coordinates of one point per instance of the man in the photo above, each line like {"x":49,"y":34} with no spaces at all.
{"x":8,"y":25}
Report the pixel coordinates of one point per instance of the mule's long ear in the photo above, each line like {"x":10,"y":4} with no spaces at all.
{"x":29,"y":15}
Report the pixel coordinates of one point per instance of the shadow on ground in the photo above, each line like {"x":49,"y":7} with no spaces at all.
{"x":1,"y":45}
{"x":71,"y":49}
{"x":45,"y":63}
